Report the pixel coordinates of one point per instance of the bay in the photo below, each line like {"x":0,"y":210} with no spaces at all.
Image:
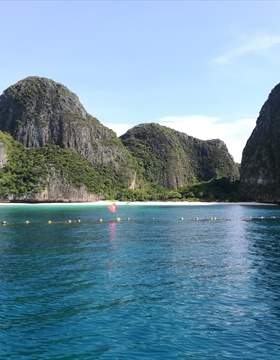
{"x":193,"y":282}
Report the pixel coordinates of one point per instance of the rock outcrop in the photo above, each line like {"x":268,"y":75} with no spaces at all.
{"x":51,"y":149}
{"x":3,"y":155}
{"x":48,"y":174}
{"x":260,"y":166}
{"x":38,"y":111}
{"x":59,"y":189}
{"x":173,"y":159}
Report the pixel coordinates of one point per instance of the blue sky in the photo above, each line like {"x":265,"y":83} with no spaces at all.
{"x":204,"y":68}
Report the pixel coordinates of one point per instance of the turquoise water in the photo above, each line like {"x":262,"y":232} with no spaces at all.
{"x":153,"y":287}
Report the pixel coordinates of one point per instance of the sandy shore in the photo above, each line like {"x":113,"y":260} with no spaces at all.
{"x":136,"y":203}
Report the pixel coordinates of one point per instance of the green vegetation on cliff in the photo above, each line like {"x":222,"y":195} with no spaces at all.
{"x":25,"y":171}
{"x":28,"y":170}
{"x":51,"y":149}
{"x":39,"y":112}
{"x":172,"y":159}
{"x":214,"y":190}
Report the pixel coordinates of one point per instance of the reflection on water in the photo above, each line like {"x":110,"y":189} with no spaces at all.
{"x":112,"y":230}
{"x":154,"y":287}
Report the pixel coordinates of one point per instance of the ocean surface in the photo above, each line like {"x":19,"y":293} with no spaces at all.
{"x":194,"y":282}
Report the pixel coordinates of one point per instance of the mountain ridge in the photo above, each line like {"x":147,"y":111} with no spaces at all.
{"x":50,"y":123}
{"x":38,"y":111}
{"x":172,"y":158}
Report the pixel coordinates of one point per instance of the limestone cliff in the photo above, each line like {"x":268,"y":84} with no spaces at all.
{"x":173,"y":159}
{"x":3,"y":155}
{"x":57,"y":188}
{"x":260,"y":166}
{"x":50,"y":173}
{"x":38,"y":111}
{"x":51,"y":149}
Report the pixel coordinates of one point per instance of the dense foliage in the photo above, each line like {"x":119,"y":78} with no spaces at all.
{"x":25,"y":171}
{"x":39,"y":112}
{"x":57,"y":151}
{"x":173,"y":159}
{"x":28,"y":170}
{"x":213,"y":190}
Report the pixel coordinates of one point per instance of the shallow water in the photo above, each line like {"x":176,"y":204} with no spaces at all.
{"x":153,"y":287}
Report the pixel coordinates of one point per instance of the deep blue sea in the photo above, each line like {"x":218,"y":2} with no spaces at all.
{"x":155,"y":286}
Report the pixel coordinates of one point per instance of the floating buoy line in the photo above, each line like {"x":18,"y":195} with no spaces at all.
{"x":181,"y":219}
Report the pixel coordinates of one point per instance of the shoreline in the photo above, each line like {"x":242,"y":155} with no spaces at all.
{"x":135,"y":203}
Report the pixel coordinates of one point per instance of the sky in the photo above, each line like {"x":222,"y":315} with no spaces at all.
{"x":201,"y":67}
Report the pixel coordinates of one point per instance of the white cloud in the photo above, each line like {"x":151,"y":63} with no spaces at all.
{"x":119,"y":128}
{"x":255,"y":44}
{"x":234,"y":133}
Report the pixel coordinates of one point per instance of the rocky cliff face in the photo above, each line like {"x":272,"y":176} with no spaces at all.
{"x":58,"y":188}
{"x":50,"y":173}
{"x":3,"y":155}
{"x":51,"y":149}
{"x":260,"y":166}
{"x":173,"y":159}
{"x":38,"y":111}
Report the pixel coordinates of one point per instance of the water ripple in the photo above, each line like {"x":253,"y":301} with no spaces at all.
{"x":206,"y":287}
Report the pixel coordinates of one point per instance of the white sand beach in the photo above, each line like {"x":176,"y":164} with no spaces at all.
{"x":135,"y":203}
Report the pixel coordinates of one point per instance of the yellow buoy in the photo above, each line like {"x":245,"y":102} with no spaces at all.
{"x":49,"y":222}
{"x":118,"y":219}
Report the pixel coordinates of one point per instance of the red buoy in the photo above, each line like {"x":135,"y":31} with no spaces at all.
{"x":112,"y":208}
